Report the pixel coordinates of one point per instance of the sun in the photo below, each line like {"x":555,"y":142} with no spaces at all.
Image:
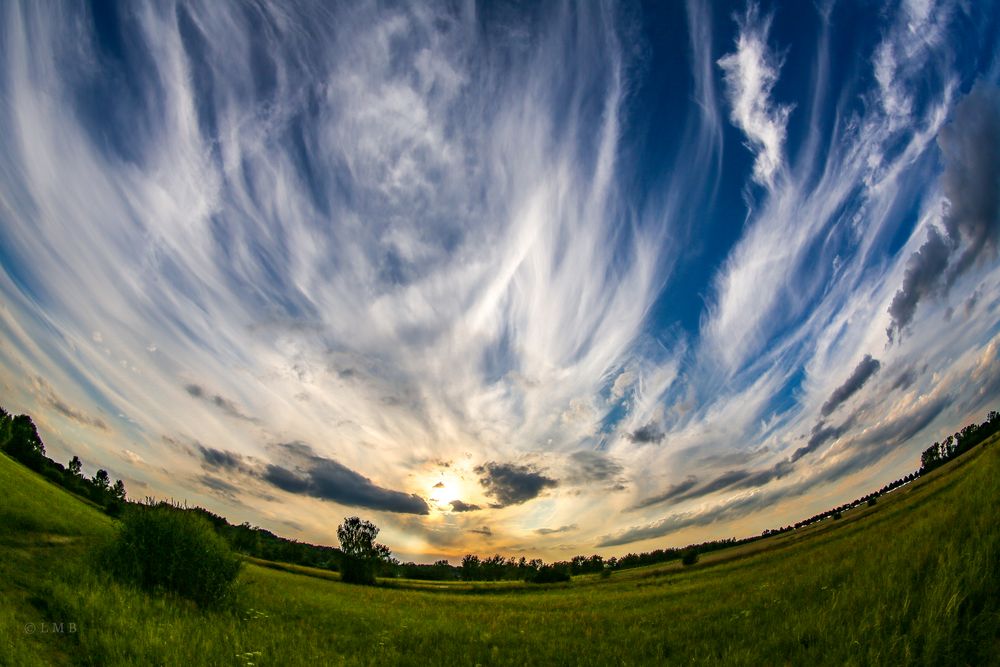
{"x":444,"y":489}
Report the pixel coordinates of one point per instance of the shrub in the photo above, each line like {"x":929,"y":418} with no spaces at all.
{"x":549,"y":574}
{"x":168,"y":549}
{"x":689,"y":557}
{"x":872,"y":501}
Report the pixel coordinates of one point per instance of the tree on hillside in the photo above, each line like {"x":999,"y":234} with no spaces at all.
{"x":102,"y":480}
{"x":24,"y":443}
{"x":76,"y":466}
{"x":361,"y":553}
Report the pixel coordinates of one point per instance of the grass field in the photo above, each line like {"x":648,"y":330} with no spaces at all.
{"x":913,"y":580}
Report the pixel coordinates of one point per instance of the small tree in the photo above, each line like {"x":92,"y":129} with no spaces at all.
{"x":102,"y":480}
{"x":24,"y":444}
{"x":361,"y":553}
{"x":76,"y":466}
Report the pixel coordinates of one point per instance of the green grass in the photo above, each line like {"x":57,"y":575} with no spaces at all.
{"x":912,"y":580}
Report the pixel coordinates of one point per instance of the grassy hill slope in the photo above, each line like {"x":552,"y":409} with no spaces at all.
{"x":914,"y":579}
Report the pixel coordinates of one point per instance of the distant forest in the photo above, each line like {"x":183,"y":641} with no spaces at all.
{"x":19,"y":439}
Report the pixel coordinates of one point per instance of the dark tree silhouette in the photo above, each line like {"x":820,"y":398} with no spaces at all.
{"x":76,"y":466}
{"x":361,"y":554}
{"x":102,"y":480}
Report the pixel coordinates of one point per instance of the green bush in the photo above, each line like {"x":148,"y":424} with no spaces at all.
{"x":354,"y":570}
{"x":689,"y":557}
{"x":549,"y":574}
{"x":162,"y":548}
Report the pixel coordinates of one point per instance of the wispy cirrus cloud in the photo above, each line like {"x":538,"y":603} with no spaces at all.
{"x":750,"y":74}
{"x":521,"y":236}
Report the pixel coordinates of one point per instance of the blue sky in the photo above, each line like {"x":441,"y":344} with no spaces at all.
{"x":552,"y":280}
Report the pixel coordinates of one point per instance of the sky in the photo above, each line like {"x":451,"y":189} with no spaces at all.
{"x":537,"y":279}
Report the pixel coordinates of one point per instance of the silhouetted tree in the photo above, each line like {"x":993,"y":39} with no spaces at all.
{"x":23,"y":442}
{"x":102,"y":480}
{"x":361,"y":555}
{"x":470,"y":567}
{"x":76,"y":466}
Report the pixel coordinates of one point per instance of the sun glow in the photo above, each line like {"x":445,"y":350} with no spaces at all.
{"x":444,"y":489}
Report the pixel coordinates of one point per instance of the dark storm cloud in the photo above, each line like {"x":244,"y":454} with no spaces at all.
{"x":460,"y":506}
{"x":218,"y":458}
{"x":922,"y":279}
{"x":765,"y":476}
{"x":285,"y":479}
{"x":970,"y":145}
{"x":865,"y":369}
{"x":905,"y":379}
{"x":329,"y":480}
{"x":485,"y":530}
{"x":819,"y":436}
{"x":512,"y":484}
{"x":222,"y":403}
{"x":650,"y":433}
{"x":971,"y":180}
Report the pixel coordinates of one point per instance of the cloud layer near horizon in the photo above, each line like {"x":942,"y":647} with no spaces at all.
{"x":526,"y":274}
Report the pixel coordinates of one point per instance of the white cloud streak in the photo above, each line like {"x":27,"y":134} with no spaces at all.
{"x":414,"y":241}
{"x":750,"y":74}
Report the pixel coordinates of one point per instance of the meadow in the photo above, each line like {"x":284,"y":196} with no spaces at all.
{"x":914,"y":579}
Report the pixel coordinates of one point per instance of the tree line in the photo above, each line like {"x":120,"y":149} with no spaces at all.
{"x":360,"y":559}
{"x":495,"y":568}
{"x":19,"y":439}
{"x":955,"y":445}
